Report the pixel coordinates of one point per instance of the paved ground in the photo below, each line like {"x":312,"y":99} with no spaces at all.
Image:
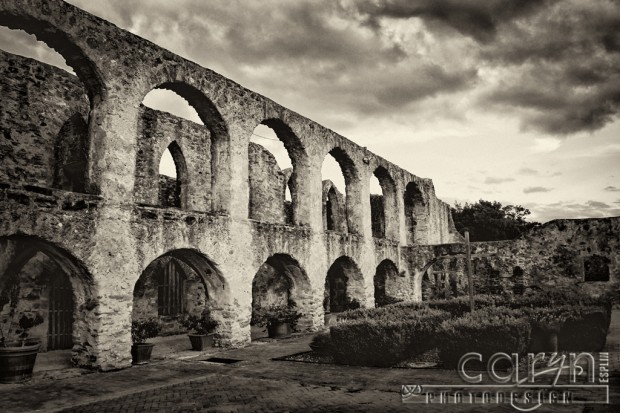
{"x":178,"y":381}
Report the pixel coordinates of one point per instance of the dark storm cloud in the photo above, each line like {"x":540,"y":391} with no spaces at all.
{"x":558,"y":60}
{"x":476,"y":18}
{"x":553,"y":64}
{"x":316,"y":49}
{"x":612,"y":189}
{"x":560,"y":67}
{"x":535,"y":189}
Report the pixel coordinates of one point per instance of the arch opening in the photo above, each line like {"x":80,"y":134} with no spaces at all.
{"x":415,"y":213}
{"x":281,"y":283}
{"x":179,"y":283}
{"x":390,"y":288}
{"x":383,"y":205}
{"x":344,"y":286}
{"x":45,"y":285}
{"x":192,"y":121}
{"x":275,"y":155}
{"x":338,"y":170}
{"x":173,"y":183}
{"x":53,"y":128}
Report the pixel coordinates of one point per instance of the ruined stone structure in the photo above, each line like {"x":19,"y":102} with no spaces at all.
{"x":558,"y":254}
{"x":91,"y":236}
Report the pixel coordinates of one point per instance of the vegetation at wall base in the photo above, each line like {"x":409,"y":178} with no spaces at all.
{"x":276,"y":314}
{"x":203,"y":324}
{"x":385,"y":342}
{"x":142,"y":330}
{"x":486,"y":331}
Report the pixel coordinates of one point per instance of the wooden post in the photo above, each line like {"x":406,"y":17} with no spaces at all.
{"x":469,"y":277}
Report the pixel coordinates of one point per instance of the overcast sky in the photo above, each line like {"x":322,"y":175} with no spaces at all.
{"x":514,"y":101}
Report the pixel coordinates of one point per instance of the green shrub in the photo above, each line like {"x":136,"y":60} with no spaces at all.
{"x":585,"y":329}
{"x":385,"y":341}
{"x":322,"y":343}
{"x":142,"y":330}
{"x":395,"y":312}
{"x":386,"y":300}
{"x":275,"y":314}
{"x":487,"y":331}
{"x":460,"y":305}
{"x":203,"y":324}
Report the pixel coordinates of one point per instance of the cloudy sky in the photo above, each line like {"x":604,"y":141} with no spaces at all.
{"x":515,"y":101}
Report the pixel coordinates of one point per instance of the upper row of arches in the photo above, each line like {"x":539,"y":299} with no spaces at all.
{"x":74,"y":169}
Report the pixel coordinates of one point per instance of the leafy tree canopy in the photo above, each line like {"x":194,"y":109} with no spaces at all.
{"x":490,"y":221}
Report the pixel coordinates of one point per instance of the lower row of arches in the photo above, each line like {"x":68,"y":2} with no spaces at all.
{"x":47,"y":286}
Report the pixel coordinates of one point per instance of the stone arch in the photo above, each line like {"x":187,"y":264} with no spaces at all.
{"x":28,"y":267}
{"x":299,"y":161}
{"x":415,"y":213}
{"x":199,"y":283}
{"x":282,"y":281}
{"x":48,"y":23}
{"x":344,"y":286}
{"x":17,"y":17}
{"x":220,"y":139}
{"x":333,"y":208}
{"x":384,"y":210}
{"x":71,"y":155}
{"x":389,"y":286}
{"x":174,"y":192}
{"x":351,"y":179}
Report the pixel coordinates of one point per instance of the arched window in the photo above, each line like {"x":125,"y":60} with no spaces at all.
{"x":415,"y":213}
{"x":338,"y":172}
{"x":274,"y":154}
{"x":173,"y":178}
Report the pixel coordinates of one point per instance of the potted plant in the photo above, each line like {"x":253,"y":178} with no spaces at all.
{"x":142,"y":330}
{"x":280,"y":320}
{"x":200,"y":329}
{"x":17,"y":357}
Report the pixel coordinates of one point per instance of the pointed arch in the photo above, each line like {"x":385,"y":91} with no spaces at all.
{"x":352,"y":213}
{"x":220,"y":139}
{"x":32,"y":268}
{"x":415,"y":213}
{"x":71,"y":155}
{"x":384,"y":210}
{"x":344,"y":286}
{"x":174,"y":191}
{"x":282,"y":281}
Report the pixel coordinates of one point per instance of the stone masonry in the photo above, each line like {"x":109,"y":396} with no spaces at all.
{"x":81,"y":198}
{"x":80,"y":187}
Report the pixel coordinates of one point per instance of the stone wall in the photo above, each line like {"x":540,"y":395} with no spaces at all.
{"x":267,"y":186}
{"x":106,"y":237}
{"x":36,"y":101}
{"x":559,"y":253}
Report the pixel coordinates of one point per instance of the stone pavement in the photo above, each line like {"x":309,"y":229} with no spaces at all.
{"x":178,"y":381}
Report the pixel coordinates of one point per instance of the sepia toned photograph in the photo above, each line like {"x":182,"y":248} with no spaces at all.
{"x":310,"y":206}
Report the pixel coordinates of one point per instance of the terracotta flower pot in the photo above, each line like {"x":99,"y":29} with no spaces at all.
{"x":141,"y":352}
{"x":201,"y":342}
{"x":17,"y":361}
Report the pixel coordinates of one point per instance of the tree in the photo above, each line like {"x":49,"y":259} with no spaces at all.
{"x":490,"y":221}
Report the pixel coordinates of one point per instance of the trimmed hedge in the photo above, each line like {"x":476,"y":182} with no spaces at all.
{"x":486,"y":331}
{"x":384,"y":342}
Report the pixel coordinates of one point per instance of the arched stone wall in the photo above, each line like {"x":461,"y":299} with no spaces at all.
{"x":27,"y":264}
